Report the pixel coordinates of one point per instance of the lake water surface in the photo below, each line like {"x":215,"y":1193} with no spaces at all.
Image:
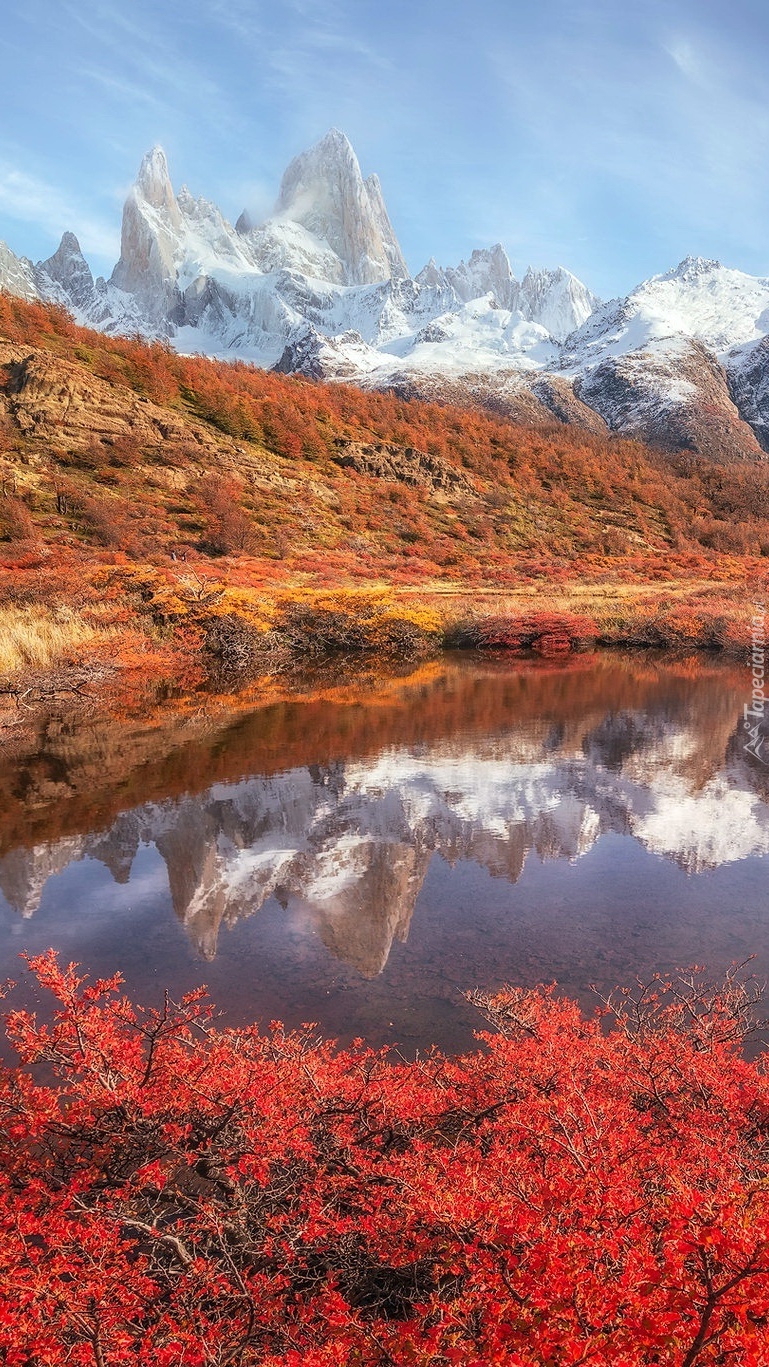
{"x":358,"y":856}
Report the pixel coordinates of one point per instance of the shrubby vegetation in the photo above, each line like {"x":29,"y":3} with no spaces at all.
{"x":577,"y":1191}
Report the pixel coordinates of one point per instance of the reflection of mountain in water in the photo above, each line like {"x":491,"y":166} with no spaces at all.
{"x":347,"y":845}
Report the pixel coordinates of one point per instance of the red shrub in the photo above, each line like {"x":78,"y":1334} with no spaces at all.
{"x":173,"y":1193}
{"x":545,"y":632}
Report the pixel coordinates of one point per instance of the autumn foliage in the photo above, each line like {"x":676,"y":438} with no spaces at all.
{"x":577,"y":1191}
{"x":545,"y":632}
{"x":552,"y":492}
{"x":245,"y":484}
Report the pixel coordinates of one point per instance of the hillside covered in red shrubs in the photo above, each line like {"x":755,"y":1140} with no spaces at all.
{"x":145,"y":496}
{"x":576,"y":1191}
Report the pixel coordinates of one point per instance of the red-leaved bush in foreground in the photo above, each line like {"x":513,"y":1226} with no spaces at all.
{"x":173,"y":1193}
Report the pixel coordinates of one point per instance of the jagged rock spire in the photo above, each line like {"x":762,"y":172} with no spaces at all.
{"x":324,"y":191}
{"x":68,"y":268}
{"x":149,"y":237}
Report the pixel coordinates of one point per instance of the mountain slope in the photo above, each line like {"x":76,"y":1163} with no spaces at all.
{"x":160,"y":514}
{"x":129,"y":433}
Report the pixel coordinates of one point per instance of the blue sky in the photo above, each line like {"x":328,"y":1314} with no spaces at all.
{"x":610,"y":137}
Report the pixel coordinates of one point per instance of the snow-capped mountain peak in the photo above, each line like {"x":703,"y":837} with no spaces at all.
{"x":322,"y":286}
{"x":555,"y":299}
{"x":244,"y":224}
{"x":699,"y":299}
{"x":691,"y":267}
{"x":153,"y":182}
{"x":149,"y":239}
{"x":68,"y":269}
{"x":488,"y":271}
{"x":324,"y":192}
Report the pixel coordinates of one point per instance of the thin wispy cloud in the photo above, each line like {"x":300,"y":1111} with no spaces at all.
{"x":24,"y":197}
{"x":120,"y":89}
{"x":145,"y":48}
{"x":683,"y":54}
{"x":239,"y":17}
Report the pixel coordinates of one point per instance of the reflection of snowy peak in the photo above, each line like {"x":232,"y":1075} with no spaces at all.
{"x":25,"y":872}
{"x":321,"y":287}
{"x":702,"y":830}
{"x":349,"y":844}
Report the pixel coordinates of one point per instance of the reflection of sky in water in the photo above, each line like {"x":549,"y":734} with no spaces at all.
{"x":386,"y":886}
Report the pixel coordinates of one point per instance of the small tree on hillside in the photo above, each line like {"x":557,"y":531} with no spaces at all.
{"x":229,"y":529}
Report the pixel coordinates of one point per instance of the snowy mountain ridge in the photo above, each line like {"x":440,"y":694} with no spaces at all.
{"x":322,"y":288}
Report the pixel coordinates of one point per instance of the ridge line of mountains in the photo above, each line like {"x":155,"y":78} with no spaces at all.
{"x":321,"y":289}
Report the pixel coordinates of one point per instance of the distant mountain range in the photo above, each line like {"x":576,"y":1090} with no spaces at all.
{"x":321,"y":288}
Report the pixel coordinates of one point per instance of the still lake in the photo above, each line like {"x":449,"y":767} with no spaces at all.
{"x":359,"y":854}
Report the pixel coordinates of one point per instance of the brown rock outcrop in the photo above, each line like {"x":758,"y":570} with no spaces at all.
{"x":62,"y":406}
{"x":401,"y":465}
{"x":62,"y":402}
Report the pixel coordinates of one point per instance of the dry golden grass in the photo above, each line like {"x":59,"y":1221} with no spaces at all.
{"x":35,"y":638}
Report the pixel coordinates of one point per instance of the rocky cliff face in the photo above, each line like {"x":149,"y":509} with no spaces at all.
{"x":401,"y":465}
{"x":49,"y":398}
{"x":64,"y":406}
{"x":69,"y":270}
{"x":148,"y":244}
{"x":321,"y":288}
{"x":324,"y":192}
{"x":17,"y":275}
{"x":676,"y":394}
{"x":747,"y":371}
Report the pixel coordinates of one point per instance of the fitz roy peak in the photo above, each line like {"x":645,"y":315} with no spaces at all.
{"x":323,"y":192}
{"x":321,"y":288}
